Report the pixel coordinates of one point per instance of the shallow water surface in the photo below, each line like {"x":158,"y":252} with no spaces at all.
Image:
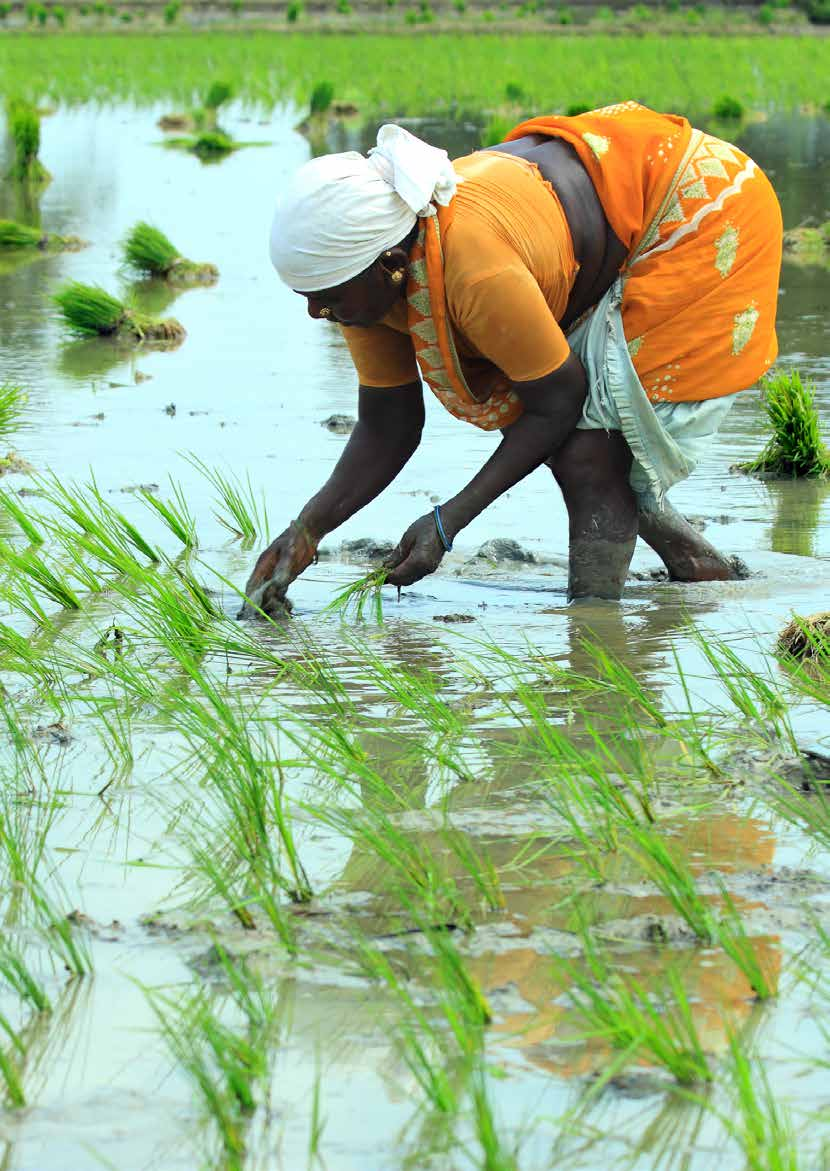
{"x":249,"y":389}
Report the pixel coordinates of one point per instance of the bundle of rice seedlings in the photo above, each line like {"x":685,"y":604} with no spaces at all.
{"x":208,"y":145}
{"x":148,"y":251}
{"x":807,"y":638}
{"x":358,"y":595}
{"x":24,"y":127}
{"x":321,"y":98}
{"x":795,"y":449}
{"x":14,"y":235}
{"x":218,"y":93}
{"x":89,"y":310}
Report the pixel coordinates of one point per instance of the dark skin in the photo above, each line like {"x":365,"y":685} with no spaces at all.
{"x":591,"y":467}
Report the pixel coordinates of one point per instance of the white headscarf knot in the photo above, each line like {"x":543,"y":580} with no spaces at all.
{"x":339,"y":212}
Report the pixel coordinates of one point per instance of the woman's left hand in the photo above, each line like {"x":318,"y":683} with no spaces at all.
{"x":418,"y":553}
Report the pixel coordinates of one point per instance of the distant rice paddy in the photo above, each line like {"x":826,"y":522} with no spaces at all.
{"x":442,"y":72}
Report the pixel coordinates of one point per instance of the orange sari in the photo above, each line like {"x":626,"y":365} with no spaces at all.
{"x":704,"y":232}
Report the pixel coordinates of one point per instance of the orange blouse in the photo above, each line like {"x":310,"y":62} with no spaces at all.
{"x":509,"y":269}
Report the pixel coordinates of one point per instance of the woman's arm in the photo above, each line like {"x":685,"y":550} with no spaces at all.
{"x":387,"y":432}
{"x":552,"y":408}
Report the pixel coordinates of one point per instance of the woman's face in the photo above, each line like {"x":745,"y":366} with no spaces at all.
{"x":367,"y":298}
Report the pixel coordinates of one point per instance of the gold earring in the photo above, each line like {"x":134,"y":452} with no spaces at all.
{"x":397,"y":276}
{"x":325,"y":312}
{"x":387,"y":255}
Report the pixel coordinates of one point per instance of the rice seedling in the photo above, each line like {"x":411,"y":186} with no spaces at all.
{"x":219,"y":92}
{"x":796,"y":448}
{"x":733,"y":938}
{"x":208,"y":145}
{"x":11,"y":1058}
{"x":227,"y":1064}
{"x":357,"y":595}
{"x":757,"y":1120}
{"x":24,"y":127}
{"x":320,"y":98}
{"x":247,"y":515}
{"x":420,"y":1041}
{"x":88,"y":311}
{"x":12,"y":401}
{"x":149,"y":252}
{"x":15,"y":236}
{"x":20,"y":978}
{"x":639,"y":1021}
{"x":56,"y":929}
{"x":176,"y":514}
{"x":728,"y":109}
{"x":47,"y":582}
{"x":750,"y":693}
{"x":675,"y":881}
{"x":724,"y":927}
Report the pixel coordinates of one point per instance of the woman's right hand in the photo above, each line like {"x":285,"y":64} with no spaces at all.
{"x":276,"y":567}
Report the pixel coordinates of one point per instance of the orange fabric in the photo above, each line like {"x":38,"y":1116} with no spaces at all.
{"x":703,"y":228}
{"x":508,"y":268}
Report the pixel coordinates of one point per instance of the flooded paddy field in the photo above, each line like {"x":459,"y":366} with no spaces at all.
{"x":498,"y":883}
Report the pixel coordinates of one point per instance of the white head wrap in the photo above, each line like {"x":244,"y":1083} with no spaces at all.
{"x":340,"y":211}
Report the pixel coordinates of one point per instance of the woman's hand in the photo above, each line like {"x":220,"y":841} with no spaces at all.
{"x":418,"y":553}
{"x":276,"y":568}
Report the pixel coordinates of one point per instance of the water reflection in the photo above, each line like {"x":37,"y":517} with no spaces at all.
{"x":798,"y":507}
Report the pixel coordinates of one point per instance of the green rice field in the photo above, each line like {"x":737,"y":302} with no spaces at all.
{"x":424,"y":75}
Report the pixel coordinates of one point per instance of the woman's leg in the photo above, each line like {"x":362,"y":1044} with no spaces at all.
{"x":684,"y":552}
{"x":592,"y":469}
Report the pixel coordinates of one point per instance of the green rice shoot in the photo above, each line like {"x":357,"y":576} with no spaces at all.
{"x":12,"y":401}
{"x":15,"y":235}
{"x":148,"y":251}
{"x":366,"y":592}
{"x":218,"y":93}
{"x":24,"y":127}
{"x":795,"y":449}
{"x":89,"y":310}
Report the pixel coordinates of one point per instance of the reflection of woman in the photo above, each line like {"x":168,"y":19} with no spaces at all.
{"x":479,"y":275}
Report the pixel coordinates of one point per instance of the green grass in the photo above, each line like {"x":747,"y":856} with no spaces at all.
{"x":682,"y":73}
{"x":795,"y":449}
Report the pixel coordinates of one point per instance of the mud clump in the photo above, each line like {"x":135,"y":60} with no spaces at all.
{"x":453,"y":618}
{"x":505,"y":549}
{"x":366,"y":549}
{"x":339,"y":424}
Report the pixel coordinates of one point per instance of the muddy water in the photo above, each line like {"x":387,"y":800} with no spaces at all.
{"x":250,"y":388}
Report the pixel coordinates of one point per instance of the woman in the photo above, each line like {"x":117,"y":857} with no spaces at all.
{"x":596,"y":287}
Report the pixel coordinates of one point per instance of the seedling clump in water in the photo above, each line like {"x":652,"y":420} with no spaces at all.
{"x":148,"y":251}
{"x":24,"y":127}
{"x":15,"y":236}
{"x":795,"y":449}
{"x":89,"y":311}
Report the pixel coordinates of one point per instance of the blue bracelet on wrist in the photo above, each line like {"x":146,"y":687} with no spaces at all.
{"x":439,"y":525}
